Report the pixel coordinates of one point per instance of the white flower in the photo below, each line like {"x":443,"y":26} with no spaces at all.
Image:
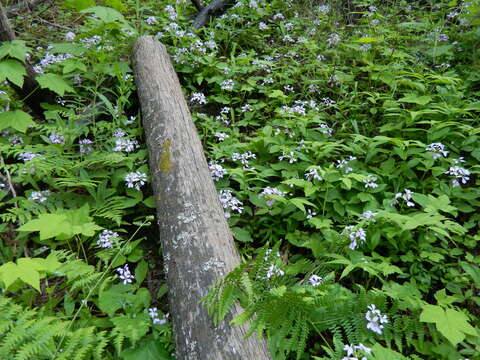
{"x":221,"y":136}
{"x":278,"y":16}
{"x":312,"y":174}
{"x":151,"y":20}
{"x":442,"y":37}
{"x":216,"y":170}
{"x":153,"y":313}
{"x":333,"y":39}
{"x":310,"y":214}
{"x":70,"y":35}
{"x":172,"y":14}
{"x":105,"y":238}
{"x":273,"y":270}
{"x":246,"y":107}
{"x":375,"y":319}
{"x":461,"y":175}
{"x":262,"y":26}
{"x":127,"y":145}
{"x":344,"y":164}
{"x":27,"y":156}
{"x":290,"y":156}
{"x":40,"y":196}
{"x":125,"y":274}
{"x":267,"y":191}
{"x":135,"y":179}
{"x":438,"y":150}
{"x":370,"y":182}
{"x":355,"y":351}
{"x":324,"y":9}
{"x":243,"y":158}
{"x":85,"y":146}
{"x":406,"y":196}
{"x":15,"y":140}
{"x":230,"y":202}
{"x":198,"y":97}
{"x":119,"y":133}
{"x":56,"y":138}
{"x":315,"y":280}
{"x":368,"y":215}
{"x":326,"y":130}
{"x":227,"y":84}
{"x":355,"y":235}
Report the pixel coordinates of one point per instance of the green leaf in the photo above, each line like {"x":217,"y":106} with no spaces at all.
{"x":54,"y":82}
{"x":25,"y":270}
{"x":416,"y":99}
{"x":450,"y":323}
{"x":16,"y":119}
{"x":105,"y":14}
{"x":12,"y":70}
{"x":368,"y":40}
{"x":15,"y":49}
{"x":141,"y":271}
{"x":242,"y":235}
{"x":133,"y":328}
{"x":69,"y":48}
{"x":147,"y":349}
{"x":79,"y":4}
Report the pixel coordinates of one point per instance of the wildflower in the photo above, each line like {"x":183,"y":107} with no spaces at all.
{"x":127,"y":145}
{"x":125,"y":274}
{"x":372,"y":8}
{"x":289,"y":88}
{"x":105,"y":238}
{"x":27,"y":156}
{"x":56,"y":138}
{"x":221,"y":136}
{"x":461,"y":175}
{"x":244,"y":158}
{"x":267,"y":191}
{"x":355,"y":236}
{"x":289,"y":156}
{"x":199,"y":98}
{"x":246,"y":107}
{"x":442,"y":37}
{"x":153,"y":313}
{"x":312,"y":174}
{"x":344,"y":164}
{"x":278,"y":16}
{"x":274,"y":270}
{"x":172,"y":14}
{"x":438,"y":150}
{"x":368,"y":215}
{"x":459,"y":160}
{"x":40,"y":196}
{"x":355,"y":351}
{"x":370,"y":182}
{"x":216,"y":170}
{"x":230,"y":202}
{"x":227,"y":84}
{"x":375,"y":22}
{"x":151,"y":20}
{"x":262,"y":26}
{"x":70,"y":35}
{"x":225,"y":110}
{"x":326,"y":101}
{"x":365,"y":47}
{"x":85,"y":146}
{"x":375,"y":319}
{"x":452,"y":14}
{"x":326,"y":130}
{"x":333,"y":39}
{"x":406,"y":196}
{"x":315,"y":280}
{"x":15,"y":140}
{"x":310,"y":214}
{"x":324,"y":9}
{"x":119,"y":133}
{"x":135,"y":179}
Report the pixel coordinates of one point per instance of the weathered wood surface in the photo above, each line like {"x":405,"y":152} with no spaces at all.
{"x":215,"y":8}
{"x":197,"y":243}
{"x":31,"y":93}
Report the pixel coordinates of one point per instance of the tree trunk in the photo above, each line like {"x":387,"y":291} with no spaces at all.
{"x":198,"y":247}
{"x":30,"y":93}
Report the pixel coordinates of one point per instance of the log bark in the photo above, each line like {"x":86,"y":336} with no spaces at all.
{"x":30,"y":93}
{"x":215,"y":8}
{"x":197,"y":243}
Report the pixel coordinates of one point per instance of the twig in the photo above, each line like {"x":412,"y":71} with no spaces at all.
{"x":9,"y":179}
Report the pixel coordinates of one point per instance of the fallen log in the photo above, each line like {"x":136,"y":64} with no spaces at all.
{"x":197,"y":243}
{"x":215,"y":8}
{"x":30,"y":92}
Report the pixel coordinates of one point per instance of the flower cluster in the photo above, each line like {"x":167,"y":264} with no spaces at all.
{"x":344,"y":164}
{"x":267,"y":191}
{"x":274,"y":270}
{"x":355,"y":351}
{"x":172,"y":14}
{"x":124,"y":144}
{"x":290,"y":156}
{"x":56,"y":138}
{"x":368,"y":215}
{"x":216,"y":170}
{"x":153,"y":313}
{"x":48,"y":60}
{"x":199,"y":98}
{"x":135,"y":179}
{"x":355,"y":236}
{"x":85,"y":146}
{"x":230,"y":203}
{"x":40,"y":196}
{"x":151,"y":20}
{"x":460,"y":174}
{"x":27,"y":156}
{"x":221,"y":136}
{"x":312,"y":174}
{"x":244,"y":158}
{"x":125,"y":275}
{"x":406,"y":195}
{"x":370,"y":182}
{"x":105,"y":239}
{"x":15,"y":140}
{"x":315,"y":280}
{"x":375,"y":319}
{"x":333,"y":39}
{"x":326,"y":130}
{"x":438,"y":150}
{"x":227,"y":84}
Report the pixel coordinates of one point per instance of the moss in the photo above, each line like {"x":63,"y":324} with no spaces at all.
{"x":165,"y":164}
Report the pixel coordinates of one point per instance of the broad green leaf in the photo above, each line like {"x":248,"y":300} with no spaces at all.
{"x":25,"y":270}
{"x":141,"y":271}
{"x":416,"y":99}
{"x":13,"y":71}
{"x":79,"y":4}
{"x":15,"y":49}
{"x":105,"y":14}
{"x":368,"y":40}
{"x":16,"y":119}
{"x":241,"y":234}
{"x":433,"y":204}
{"x":62,"y":48}
{"x":450,"y":323}
{"x":55,"y":82}
{"x":49,"y":225}
{"x":133,"y":328}
{"x":148,"y":348}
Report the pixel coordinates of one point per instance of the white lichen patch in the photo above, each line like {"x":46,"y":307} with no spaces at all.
{"x":214,"y":265}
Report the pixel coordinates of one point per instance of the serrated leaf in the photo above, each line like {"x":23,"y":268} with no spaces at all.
{"x":25,"y":270}
{"x":450,"y":323}
{"x":16,"y":119}
{"x":68,"y":48}
{"x":12,"y":70}
{"x":54,"y":82}
{"x":15,"y":49}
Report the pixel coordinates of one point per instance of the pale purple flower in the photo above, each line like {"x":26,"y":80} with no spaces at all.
{"x":312,"y":174}
{"x":125,"y":275}
{"x":198,"y":97}
{"x":70,"y":35}
{"x":40,"y":196}
{"x":375,"y":319}
{"x":438,"y":150}
{"x":310,"y":214}
{"x":268,"y":191}
{"x":221,"y":136}
{"x":227,"y":84}
{"x":127,"y":145}
{"x":370,"y":182}
{"x":216,"y":170}
{"x":135,"y":179}
{"x":406,"y":195}
{"x":105,"y":239}
{"x":56,"y":138}
{"x":151,"y":20}
{"x":355,"y":235}
{"x":461,"y":175}
{"x":85,"y":146}
{"x":230,"y":203}
{"x":315,"y":280}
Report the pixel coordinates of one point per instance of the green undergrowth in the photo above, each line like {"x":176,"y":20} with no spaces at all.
{"x":343,"y":138}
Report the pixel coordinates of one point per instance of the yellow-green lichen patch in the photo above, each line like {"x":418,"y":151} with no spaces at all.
{"x":165,"y":163}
